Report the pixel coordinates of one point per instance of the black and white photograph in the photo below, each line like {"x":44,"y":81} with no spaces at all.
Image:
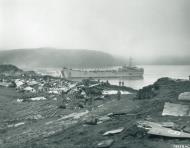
{"x":94,"y":73}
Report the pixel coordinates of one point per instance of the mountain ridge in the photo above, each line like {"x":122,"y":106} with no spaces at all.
{"x":51,"y":57}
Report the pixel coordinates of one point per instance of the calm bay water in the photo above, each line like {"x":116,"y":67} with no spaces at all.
{"x":151,"y":74}
{"x":154,"y":72}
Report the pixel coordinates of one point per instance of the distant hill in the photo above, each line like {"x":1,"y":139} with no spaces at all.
{"x":58,"y":58}
{"x":9,"y":68}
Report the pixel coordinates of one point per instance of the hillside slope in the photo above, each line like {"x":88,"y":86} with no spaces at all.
{"x":57,"y":58}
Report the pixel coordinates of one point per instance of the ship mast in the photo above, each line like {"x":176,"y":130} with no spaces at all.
{"x":130,"y":61}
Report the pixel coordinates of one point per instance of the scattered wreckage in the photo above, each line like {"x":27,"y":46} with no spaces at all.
{"x":105,"y":143}
{"x":38,"y":101}
{"x":173,"y":109}
{"x":160,"y":129}
{"x":115,"y":131}
{"x":181,"y":108}
{"x":184,"y":96}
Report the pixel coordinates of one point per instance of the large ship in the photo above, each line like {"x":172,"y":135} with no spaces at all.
{"x":128,"y":72}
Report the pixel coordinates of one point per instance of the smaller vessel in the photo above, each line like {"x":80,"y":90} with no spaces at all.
{"x":128,"y":72}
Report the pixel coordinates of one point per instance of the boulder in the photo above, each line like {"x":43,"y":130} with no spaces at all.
{"x":92,"y":120}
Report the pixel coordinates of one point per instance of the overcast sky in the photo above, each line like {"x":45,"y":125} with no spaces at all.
{"x":140,"y":28}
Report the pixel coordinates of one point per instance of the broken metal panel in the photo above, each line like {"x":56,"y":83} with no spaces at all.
{"x":167,"y":132}
{"x":184,"y":96}
{"x":158,"y":129}
{"x":115,"y":131}
{"x":105,"y":143}
{"x":171,"y":109}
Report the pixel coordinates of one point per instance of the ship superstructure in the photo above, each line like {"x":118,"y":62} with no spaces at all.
{"x":122,"y":72}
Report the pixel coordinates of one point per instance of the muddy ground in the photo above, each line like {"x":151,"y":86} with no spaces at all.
{"x":57,"y":130}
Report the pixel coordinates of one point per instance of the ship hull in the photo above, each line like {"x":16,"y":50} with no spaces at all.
{"x":102,"y":74}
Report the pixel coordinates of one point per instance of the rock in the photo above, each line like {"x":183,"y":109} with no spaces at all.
{"x":164,"y":88}
{"x":147,"y":92}
{"x":62,"y":106}
{"x":184,"y":96}
{"x":115,"y":131}
{"x":81,"y":105}
{"x":105,"y":143}
{"x":91,"y":120}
